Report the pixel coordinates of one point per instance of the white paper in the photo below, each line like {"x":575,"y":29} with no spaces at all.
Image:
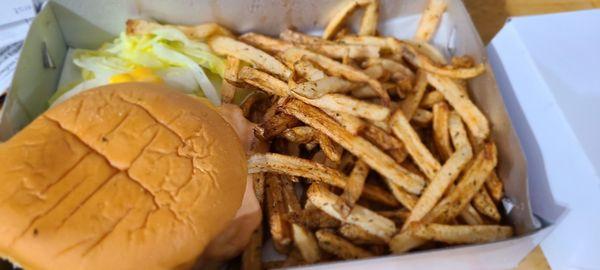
{"x":547,"y":69}
{"x":16,"y":10}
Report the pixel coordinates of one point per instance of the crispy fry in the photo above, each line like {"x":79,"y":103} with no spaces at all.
{"x":380,"y":195}
{"x":313,"y":219}
{"x":427,"y":50}
{"x":197,"y":32}
{"x":471,"y":216}
{"x":404,"y":241}
{"x":327,"y":85}
{"x":475,"y":120}
{"x":340,"y":247}
{"x":301,"y":38}
{"x":374,"y":157}
{"x":442,"y":180}
{"x":227,"y":91}
{"x":359,"y":216}
{"x":470,"y":183}
{"x":417,"y":150}
{"x":265,"y":43}
{"x":391,"y":66}
{"x":340,"y":16}
{"x":495,"y":187}
{"x":431,"y":99}
{"x":264,"y":81}
{"x":330,"y":49}
{"x":428,"y":65}
{"x":276,"y":209}
{"x":430,"y":19}
{"x":336,"y":69}
{"x":249,"y":102}
{"x":376,"y":72}
{"x":359,"y":236}
{"x":386,"y":142}
{"x":422,"y":117}
{"x":258,"y":182}
{"x":348,"y":105}
{"x":308,"y":71}
{"x":231,"y":47}
{"x":399,"y":215}
{"x":355,"y":184}
{"x":485,"y":205}
{"x":441,"y":133}
{"x":406,"y":199}
{"x":368,"y":24}
{"x":304,"y":240}
{"x":410,"y":104}
{"x":301,"y":134}
{"x":232,"y":68}
{"x":461,"y":234}
{"x":275,"y":125}
{"x":349,"y":122}
{"x":331,"y":149}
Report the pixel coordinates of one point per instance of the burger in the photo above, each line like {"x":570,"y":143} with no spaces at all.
{"x":127,"y":176}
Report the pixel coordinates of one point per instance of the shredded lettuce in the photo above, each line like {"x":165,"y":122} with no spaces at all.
{"x":179,"y":61}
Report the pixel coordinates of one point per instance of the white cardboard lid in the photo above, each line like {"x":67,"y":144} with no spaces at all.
{"x":547,"y":69}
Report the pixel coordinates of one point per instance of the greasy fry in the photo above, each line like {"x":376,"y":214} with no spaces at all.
{"x":359,"y":216}
{"x":359,"y":236}
{"x":417,"y":150}
{"x":368,"y":24}
{"x":355,"y":184}
{"x":276,"y":209}
{"x":430,"y":19}
{"x":441,"y":133}
{"x":231,"y":47}
{"x":340,"y":247}
{"x":461,"y":234}
{"x":475,"y":120}
{"x":374,"y":157}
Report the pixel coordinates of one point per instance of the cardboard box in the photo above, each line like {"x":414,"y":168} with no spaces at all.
{"x":66,"y":24}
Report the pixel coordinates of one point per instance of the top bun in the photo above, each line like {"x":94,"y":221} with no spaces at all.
{"x":125,"y":176}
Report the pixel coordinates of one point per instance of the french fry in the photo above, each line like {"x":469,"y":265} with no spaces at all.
{"x":431,"y":99}
{"x":258,"y":183}
{"x":359,"y":216}
{"x":376,"y":72}
{"x":308,"y":70}
{"x":301,"y":38}
{"x":423,"y":62}
{"x":411,"y":103}
{"x":275,"y":126}
{"x":349,"y":122}
{"x":231,"y":47}
{"x":422,"y":118}
{"x":442,"y":180}
{"x":391,"y":66}
{"x":263,"y":81}
{"x":249,"y":102}
{"x":340,"y":247}
{"x":356,"y":182}
{"x":485,"y":205}
{"x":227,"y":91}
{"x":475,"y":120}
{"x":359,"y":236}
{"x":368,"y":24}
{"x":232,"y":67}
{"x":366,"y":91}
{"x":441,"y":133}
{"x":380,"y":195}
{"x":471,"y":216}
{"x":313,"y":219}
{"x":265,"y":43}
{"x":495,"y":187}
{"x":345,"y":104}
{"x":385,"y":141}
{"x":326,"y":85}
{"x":427,"y":50}
{"x":198,"y":32}
{"x":330,"y":49}
{"x":430,"y":19}
{"x":340,"y":16}
{"x":461,"y":234}
{"x":417,"y":150}
{"x":360,"y":147}
{"x":276,"y":209}
{"x":301,"y":134}
{"x":335,"y":68}
{"x":331,"y":149}
{"x":405,"y":241}
{"x":398,"y":215}
{"x":470,"y":183}
{"x":406,"y":199}
{"x":304,"y":240}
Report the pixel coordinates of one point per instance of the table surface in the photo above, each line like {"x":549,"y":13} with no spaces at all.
{"x":489,"y":17}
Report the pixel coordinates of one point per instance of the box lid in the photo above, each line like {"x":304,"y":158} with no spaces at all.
{"x":546,"y":67}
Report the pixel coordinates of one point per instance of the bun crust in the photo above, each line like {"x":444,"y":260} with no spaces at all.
{"x":125,"y":176}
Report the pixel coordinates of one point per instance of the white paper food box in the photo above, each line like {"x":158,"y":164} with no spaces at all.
{"x":68,"y":24}
{"x":547,"y":69}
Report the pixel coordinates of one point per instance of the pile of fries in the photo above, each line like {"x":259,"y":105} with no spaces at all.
{"x":374,"y":144}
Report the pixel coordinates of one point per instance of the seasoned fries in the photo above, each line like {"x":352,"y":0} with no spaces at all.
{"x":461,"y":234}
{"x":374,"y":145}
{"x":198,"y":32}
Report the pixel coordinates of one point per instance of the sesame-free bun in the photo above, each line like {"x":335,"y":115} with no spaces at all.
{"x":125,"y":176}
